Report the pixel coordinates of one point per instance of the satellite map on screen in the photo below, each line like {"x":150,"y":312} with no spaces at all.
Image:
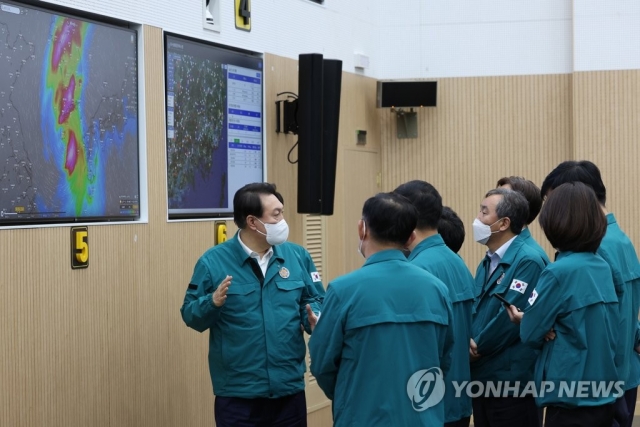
{"x":197,"y":153}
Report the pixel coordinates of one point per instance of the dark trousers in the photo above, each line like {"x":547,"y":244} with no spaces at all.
{"x":464,"y":422}
{"x":288,"y":411}
{"x":625,"y":408}
{"x":583,"y":416}
{"x":505,"y":412}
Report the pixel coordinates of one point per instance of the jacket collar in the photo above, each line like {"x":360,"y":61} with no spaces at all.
{"x":510,"y":255}
{"x":564,"y":254}
{"x":525,"y":233}
{"x":385,"y":255}
{"x":429,"y":242}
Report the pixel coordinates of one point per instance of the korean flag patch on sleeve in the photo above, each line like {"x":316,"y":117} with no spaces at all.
{"x":518,"y":285}
{"x":315,"y":276}
{"x":533,"y":297}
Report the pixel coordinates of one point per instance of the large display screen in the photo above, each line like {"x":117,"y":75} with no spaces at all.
{"x":68,"y":118}
{"x":214,"y":126}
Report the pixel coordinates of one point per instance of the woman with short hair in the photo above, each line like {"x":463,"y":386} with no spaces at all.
{"x":576,"y":376}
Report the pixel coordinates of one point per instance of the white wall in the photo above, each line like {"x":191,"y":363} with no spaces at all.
{"x":459,"y":38}
{"x":337,"y":28}
{"x":607,"y":35}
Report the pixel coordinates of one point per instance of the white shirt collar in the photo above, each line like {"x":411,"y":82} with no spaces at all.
{"x":254,"y":254}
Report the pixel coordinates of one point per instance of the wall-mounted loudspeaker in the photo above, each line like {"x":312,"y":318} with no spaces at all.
{"x":319,"y":87}
{"x":407,"y":94}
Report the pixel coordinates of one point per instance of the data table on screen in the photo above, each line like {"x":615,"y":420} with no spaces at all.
{"x":244,"y":95}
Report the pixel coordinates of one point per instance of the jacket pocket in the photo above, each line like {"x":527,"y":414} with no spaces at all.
{"x":241,"y":288}
{"x":241,"y":298}
{"x":289,"y":285}
{"x":287,"y":311}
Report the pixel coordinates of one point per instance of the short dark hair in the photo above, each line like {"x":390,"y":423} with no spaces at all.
{"x":389,"y":218}
{"x":451,"y":228}
{"x":582,"y":171}
{"x":427,"y":201}
{"x":247,"y":201}
{"x":572,"y":218}
{"x":528,"y":189}
{"x":513,"y":205}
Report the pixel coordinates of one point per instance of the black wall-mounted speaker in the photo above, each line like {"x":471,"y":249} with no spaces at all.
{"x":407,"y":94}
{"x":332,"y":85}
{"x":319,"y":87}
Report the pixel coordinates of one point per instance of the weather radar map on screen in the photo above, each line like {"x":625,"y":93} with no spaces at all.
{"x":214,"y":126}
{"x":68,"y":118}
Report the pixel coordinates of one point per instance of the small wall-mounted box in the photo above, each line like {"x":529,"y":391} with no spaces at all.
{"x":211,"y":15}
{"x":361,"y":61}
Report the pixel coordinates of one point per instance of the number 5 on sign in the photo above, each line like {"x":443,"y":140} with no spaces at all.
{"x":243,"y":14}
{"x":79,"y":247}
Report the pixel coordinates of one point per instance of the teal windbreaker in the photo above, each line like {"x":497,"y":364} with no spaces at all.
{"x":435,"y":257}
{"x":504,"y":356}
{"x":618,"y":251}
{"x":380,"y":325}
{"x":256,"y":347}
{"x":575,"y":296}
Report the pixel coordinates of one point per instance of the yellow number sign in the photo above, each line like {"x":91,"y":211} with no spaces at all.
{"x":221,"y":232}
{"x":243,"y":14}
{"x":79,"y":247}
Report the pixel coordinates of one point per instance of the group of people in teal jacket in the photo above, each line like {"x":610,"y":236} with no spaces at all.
{"x":412,"y":338}
{"x":585,"y":304}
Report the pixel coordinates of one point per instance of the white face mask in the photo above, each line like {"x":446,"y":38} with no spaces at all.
{"x":364,"y":232}
{"x":276,"y":233}
{"x":481,"y":231}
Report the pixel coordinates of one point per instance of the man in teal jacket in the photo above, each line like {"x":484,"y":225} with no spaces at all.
{"x":531,"y":192}
{"x":451,"y":229}
{"x":618,"y":251}
{"x":253,"y":293}
{"x":383,"y":343}
{"x":510,"y":269}
{"x":428,"y":251}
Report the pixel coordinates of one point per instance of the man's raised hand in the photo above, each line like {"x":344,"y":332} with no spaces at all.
{"x":220,"y":295}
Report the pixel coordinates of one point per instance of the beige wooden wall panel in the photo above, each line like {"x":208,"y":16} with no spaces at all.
{"x":482,"y":129}
{"x":357,"y":112}
{"x":607,"y":132}
{"x":53,"y":352}
{"x":281,"y":75}
{"x":363,"y":166}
